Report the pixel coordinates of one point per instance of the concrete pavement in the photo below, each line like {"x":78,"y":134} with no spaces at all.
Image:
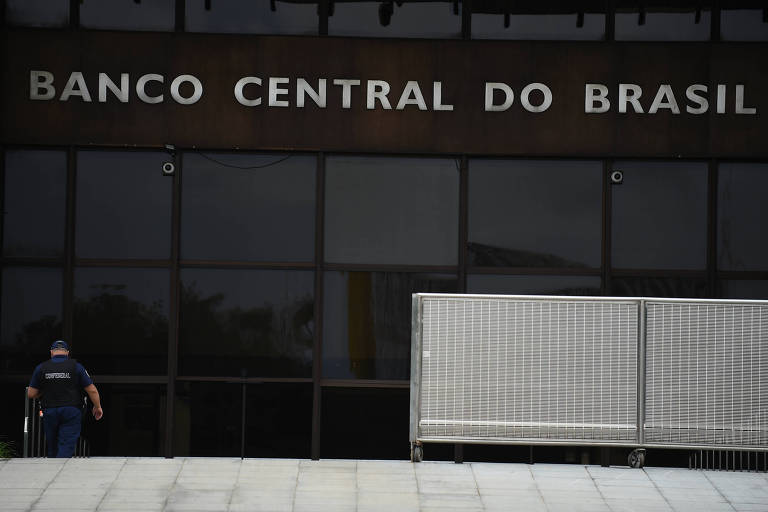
{"x":289,"y":485}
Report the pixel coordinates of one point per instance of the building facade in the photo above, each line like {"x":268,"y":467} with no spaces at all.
{"x":224,"y":207}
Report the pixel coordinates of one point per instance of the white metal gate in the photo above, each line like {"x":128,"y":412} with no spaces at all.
{"x":589,"y":371}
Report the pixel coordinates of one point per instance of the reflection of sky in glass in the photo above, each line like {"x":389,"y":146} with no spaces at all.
{"x":542,"y":207}
{"x":33,"y":212}
{"x":659,"y":215}
{"x":252,"y":17}
{"x":28,"y":295}
{"x":412,"y":19}
{"x":37,"y":13}
{"x":533,"y":285}
{"x":264,"y":214}
{"x":149,"y":286}
{"x":391,"y":210}
{"x":128,"y":14}
{"x":538,"y":26}
{"x":663,"y":26}
{"x":742,"y":216}
{"x":743,"y":25}
{"x":123,"y":205}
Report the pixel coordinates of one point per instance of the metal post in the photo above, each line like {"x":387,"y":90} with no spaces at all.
{"x":26,"y":423}
{"x":642,"y":336}
{"x":415,"y":366}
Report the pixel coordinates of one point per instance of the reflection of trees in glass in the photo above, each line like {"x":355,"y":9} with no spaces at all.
{"x":29,"y":345}
{"x":265,"y":334}
{"x":111,"y":323}
{"x":482,"y":255}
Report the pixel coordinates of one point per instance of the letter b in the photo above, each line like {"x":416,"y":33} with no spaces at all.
{"x":41,"y":85}
{"x":596,"y":93}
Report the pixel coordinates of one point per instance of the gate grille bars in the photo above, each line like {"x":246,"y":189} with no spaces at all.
{"x":642,"y":372}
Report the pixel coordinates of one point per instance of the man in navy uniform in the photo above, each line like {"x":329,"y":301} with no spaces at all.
{"x":59,"y":383}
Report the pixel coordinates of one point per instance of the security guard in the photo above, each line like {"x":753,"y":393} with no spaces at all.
{"x":58,"y":383}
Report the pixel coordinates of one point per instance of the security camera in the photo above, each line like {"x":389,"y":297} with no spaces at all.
{"x":617,"y":177}
{"x":168,"y":168}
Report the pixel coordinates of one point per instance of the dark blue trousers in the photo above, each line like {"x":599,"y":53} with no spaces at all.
{"x":62,"y":428}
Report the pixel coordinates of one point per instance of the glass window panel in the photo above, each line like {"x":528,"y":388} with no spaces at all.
{"x":278,"y":420}
{"x":534,"y":213}
{"x":658,"y":287}
{"x":379,"y":427}
{"x":37,"y":13}
{"x":744,"y":289}
{"x":253,"y":17}
{"x":266,"y":213}
{"x":10,"y":421}
{"x":743,"y":24}
{"x":246,"y":322}
{"x":35,"y":203}
{"x":133,"y":424}
{"x":684,"y":23}
{"x":156,"y":15}
{"x":123,"y":205}
{"x":208,"y":419}
{"x":423,"y":19}
{"x":367,"y":322}
{"x":490,"y":24}
{"x":31,"y":312}
{"x":121,"y":320}
{"x":391,"y":210}
{"x":533,"y":285}
{"x":660,"y":215}
{"x":741,"y":217}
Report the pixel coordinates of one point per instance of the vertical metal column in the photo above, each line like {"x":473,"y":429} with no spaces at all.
{"x":415,"y":367}
{"x":317,"y":341}
{"x":641,"y":374}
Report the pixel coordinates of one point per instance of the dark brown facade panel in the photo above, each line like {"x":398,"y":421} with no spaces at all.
{"x":729,"y":127}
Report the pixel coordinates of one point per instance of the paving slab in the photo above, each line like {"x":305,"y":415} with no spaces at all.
{"x":123,"y":484}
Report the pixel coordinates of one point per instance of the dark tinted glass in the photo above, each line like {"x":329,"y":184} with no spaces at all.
{"x":743,"y":24}
{"x":37,"y":13}
{"x":660,"y":215}
{"x":208,"y":419}
{"x":123,"y":205}
{"x":246,"y":323}
{"x":391,"y":210}
{"x":367,"y":322}
{"x":744,"y":289}
{"x":365,"y":423}
{"x":253,"y":17}
{"x":278,"y":420}
{"x":155,"y":15}
{"x":13,"y":396}
{"x":686,"y":23}
{"x":658,"y":287}
{"x":489,"y":21}
{"x":742,"y":215}
{"x":425,"y":19}
{"x":533,"y":285}
{"x":121,"y":320}
{"x":35,"y":201}
{"x":534,"y":213}
{"x":133,"y":424}
{"x":31,"y":317}
{"x":262,"y":213}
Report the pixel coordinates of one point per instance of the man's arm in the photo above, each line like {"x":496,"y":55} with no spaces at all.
{"x":93,"y":394}
{"x":33,"y":392}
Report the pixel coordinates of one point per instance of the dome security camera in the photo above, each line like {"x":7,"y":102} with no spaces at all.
{"x":168,"y":168}
{"x":617,"y":177}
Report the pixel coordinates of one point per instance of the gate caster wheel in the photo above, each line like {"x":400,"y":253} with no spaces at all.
{"x":417,"y":453}
{"x":636,"y":458}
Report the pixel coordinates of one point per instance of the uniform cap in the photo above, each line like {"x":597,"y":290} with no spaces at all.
{"x":60,"y":345}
